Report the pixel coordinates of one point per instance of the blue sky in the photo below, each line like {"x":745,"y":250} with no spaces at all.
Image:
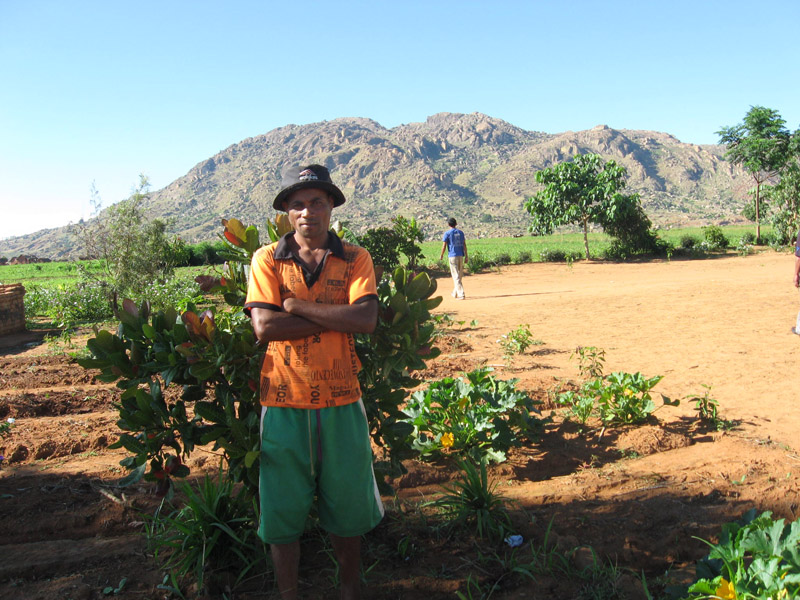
{"x":99,"y":92}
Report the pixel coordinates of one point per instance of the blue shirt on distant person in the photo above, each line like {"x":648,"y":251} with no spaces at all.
{"x":454,"y":238}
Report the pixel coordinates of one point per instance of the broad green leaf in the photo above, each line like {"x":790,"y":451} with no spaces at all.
{"x":251,"y":458}
{"x":203,"y":370}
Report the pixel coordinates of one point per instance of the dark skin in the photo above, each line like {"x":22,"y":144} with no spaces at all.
{"x":309,"y":213}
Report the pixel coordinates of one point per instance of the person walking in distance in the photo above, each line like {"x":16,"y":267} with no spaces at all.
{"x":456,"y":246}
{"x":308,"y":293}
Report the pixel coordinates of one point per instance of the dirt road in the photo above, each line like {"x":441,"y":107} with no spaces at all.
{"x":637,"y":495}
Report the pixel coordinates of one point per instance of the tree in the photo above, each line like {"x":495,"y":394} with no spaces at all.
{"x":785,"y":199}
{"x":760,"y":144}
{"x":585,"y":191}
{"x":385,"y":245}
{"x":135,"y":251}
{"x":410,"y":234}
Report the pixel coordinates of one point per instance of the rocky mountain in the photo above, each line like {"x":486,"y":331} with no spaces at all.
{"x":474,"y":167}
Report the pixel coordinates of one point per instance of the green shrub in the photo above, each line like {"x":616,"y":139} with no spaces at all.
{"x":616,"y":399}
{"x":210,"y":536}
{"x":743,"y":248}
{"x":689,"y":241}
{"x":67,"y":305}
{"x":715,"y":238}
{"x":383,"y":245}
{"x":559,"y":255}
{"x":748,"y":237}
{"x":480,"y":417}
{"x":504,"y":258}
{"x":756,"y":557}
{"x":135,"y":251}
{"x":523,"y":257}
{"x":474,"y":502}
{"x":205,"y":253}
{"x":211,"y":360}
{"x":478,"y":261}
{"x":644,"y":243}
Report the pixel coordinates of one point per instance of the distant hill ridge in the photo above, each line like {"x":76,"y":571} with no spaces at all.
{"x":471,"y":166}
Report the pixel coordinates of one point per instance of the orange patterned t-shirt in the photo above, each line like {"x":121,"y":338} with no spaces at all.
{"x":320,"y":370}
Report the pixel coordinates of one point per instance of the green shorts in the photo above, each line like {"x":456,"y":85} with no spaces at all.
{"x":323,"y":453}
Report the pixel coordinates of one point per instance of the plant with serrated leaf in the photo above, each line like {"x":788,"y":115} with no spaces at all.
{"x":478,"y":417}
{"x":756,"y":557}
{"x":616,"y":399}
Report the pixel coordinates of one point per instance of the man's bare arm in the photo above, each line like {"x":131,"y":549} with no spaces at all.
{"x":270,"y":325}
{"x":361,"y":317}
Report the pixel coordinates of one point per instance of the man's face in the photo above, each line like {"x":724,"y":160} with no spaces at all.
{"x":309,"y":212}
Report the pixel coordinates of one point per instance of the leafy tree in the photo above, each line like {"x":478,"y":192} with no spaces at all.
{"x":387,"y":244}
{"x":383,"y":245}
{"x":135,"y":251}
{"x":785,"y":200}
{"x":760,"y":144}
{"x":410,"y":234}
{"x":585,"y":191}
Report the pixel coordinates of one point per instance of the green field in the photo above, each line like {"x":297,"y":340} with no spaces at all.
{"x":53,"y":274}
{"x":568,"y":242}
{"x":573,"y":242}
{"x":48,"y":274}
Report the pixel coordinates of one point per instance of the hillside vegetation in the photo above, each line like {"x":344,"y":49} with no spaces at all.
{"x":474,"y":167}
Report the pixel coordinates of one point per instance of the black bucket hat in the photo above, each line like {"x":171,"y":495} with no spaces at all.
{"x":312,"y":176}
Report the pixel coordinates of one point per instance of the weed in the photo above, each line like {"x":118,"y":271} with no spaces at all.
{"x":212,"y":533}
{"x":478,"y":261}
{"x":590,"y":360}
{"x":517,"y":341}
{"x":473,"y":502}
{"x":689,"y":241}
{"x":743,"y":248}
{"x":5,"y":426}
{"x":707,"y":409}
{"x":113,"y":591}
{"x":602,"y":580}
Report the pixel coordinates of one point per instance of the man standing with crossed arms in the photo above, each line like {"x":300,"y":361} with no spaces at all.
{"x":308,"y":294}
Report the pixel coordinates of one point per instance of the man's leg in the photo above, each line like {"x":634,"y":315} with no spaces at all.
{"x":459,"y":274}
{"x":453,"y":260}
{"x":286,"y":561}
{"x":348,"y":555}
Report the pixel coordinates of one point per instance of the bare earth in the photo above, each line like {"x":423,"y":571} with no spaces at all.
{"x":638,"y":496}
